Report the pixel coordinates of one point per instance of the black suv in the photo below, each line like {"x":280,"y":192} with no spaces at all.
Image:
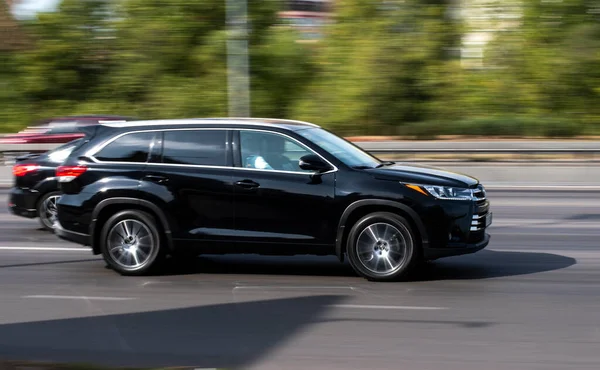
{"x":136,"y":192}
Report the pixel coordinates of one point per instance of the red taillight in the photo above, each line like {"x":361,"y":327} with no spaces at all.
{"x":24,"y":169}
{"x":69,"y":173}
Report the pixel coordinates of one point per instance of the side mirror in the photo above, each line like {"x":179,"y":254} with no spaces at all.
{"x":312,"y":162}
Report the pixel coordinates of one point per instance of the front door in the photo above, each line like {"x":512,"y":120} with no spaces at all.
{"x":276,"y":202}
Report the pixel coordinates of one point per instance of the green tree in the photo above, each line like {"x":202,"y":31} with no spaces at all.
{"x":174,"y":65}
{"x":551,"y":60}
{"x":383,"y":64}
{"x":70,"y":58}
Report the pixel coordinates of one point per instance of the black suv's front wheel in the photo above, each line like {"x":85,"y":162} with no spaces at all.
{"x":130,"y":242}
{"x":382,"y":247}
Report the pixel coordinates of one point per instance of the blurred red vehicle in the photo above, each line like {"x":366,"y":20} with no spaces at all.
{"x":58,"y":130}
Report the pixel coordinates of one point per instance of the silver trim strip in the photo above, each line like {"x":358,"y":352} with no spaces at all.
{"x":210,"y":121}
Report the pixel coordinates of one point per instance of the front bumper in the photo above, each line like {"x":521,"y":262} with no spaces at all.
{"x":458,"y":228}
{"x":71,"y":236}
{"x":22,"y":202}
{"x":456,"y":249}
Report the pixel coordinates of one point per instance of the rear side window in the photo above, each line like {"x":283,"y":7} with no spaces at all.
{"x":128,"y":148}
{"x":195,"y":147}
{"x":61,"y":153}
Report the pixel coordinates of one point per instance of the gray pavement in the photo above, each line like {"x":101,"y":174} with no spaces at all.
{"x":529,"y":301}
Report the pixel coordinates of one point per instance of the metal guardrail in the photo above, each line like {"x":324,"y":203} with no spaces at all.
{"x":4,"y":148}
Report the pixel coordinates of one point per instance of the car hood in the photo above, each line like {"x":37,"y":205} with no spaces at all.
{"x":425,"y":175}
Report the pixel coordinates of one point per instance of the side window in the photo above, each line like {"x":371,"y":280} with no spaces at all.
{"x":60,"y":154}
{"x":195,"y":147}
{"x":128,"y":148}
{"x":269,"y":151}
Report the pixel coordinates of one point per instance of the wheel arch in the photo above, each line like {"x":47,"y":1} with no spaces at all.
{"x":43,"y":188}
{"x":103,"y":210}
{"x":360,"y":208}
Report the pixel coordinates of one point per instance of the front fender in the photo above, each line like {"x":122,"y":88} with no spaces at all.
{"x":357,"y":205}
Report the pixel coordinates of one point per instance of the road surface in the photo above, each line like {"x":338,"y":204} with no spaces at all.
{"x":531,"y":300}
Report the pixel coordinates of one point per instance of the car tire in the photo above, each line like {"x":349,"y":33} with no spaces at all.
{"x":131,"y":243}
{"x":46,"y":210}
{"x":382,"y":246}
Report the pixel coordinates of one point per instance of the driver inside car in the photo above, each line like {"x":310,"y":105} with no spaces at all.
{"x":266,"y":153}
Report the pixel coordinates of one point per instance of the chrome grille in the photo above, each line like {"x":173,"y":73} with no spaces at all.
{"x":478,"y":223}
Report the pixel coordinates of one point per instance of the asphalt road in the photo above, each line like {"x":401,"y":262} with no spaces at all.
{"x":531,"y":300}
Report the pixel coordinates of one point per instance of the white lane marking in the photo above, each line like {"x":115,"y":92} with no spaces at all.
{"x":53,"y":249}
{"x":291,"y":287}
{"x":376,"y":307}
{"x":80,"y":297}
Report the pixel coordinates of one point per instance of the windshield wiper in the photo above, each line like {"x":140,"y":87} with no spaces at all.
{"x":366,"y":167}
{"x":362,"y":167}
{"x":386,"y":163}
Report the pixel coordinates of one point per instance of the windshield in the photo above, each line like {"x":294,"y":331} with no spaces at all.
{"x":342,"y":149}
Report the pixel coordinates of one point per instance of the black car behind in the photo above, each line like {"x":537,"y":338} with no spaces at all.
{"x":35,"y":189}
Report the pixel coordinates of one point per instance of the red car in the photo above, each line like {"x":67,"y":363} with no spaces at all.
{"x":58,"y":130}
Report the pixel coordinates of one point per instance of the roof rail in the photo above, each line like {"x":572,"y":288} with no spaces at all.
{"x":216,"y":120}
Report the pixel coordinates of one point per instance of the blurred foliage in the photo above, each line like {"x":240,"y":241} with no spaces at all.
{"x":382,"y":67}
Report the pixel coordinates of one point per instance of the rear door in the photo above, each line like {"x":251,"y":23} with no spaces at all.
{"x":190,"y":175}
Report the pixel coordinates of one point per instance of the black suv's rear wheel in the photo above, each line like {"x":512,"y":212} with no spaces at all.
{"x":131,"y":242}
{"x":381,"y":247}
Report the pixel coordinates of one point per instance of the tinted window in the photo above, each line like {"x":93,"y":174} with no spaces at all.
{"x":268,"y":151}
{"x":128,"y":148}
{"x":342,"y":149}
{"x":61,"y":153}
{"x":195,"y":147}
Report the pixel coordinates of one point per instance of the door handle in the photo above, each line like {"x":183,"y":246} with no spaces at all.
{"x":247,"y":184}
{"x":156,"y":178}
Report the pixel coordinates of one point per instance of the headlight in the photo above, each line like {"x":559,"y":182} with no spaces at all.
{"x":444,"y":192}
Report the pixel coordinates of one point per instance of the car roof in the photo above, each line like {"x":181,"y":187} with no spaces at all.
{"x":214,"y":122}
